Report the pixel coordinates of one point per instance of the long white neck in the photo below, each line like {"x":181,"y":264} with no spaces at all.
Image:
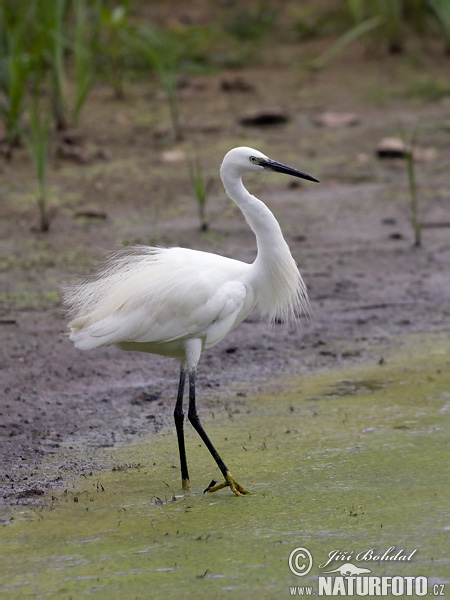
{"x":280,"y":289}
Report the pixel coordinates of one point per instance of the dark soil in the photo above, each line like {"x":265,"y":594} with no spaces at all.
{"x":351,"y":235}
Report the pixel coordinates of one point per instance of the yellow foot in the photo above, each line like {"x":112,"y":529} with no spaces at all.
{"x":236,"y":488}
{"x":185,"y":483}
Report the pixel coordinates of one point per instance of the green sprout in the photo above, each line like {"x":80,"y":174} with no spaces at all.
{"x":201,"y":189}
{"x":163,"y":52}
{"x":37,"y":143}
{"x":441,"y":9}
{"x":413,"y":196}
{"x":14,"y":74}
{"x":51,"y":26}
{"x":114,"y":25}
{"x":83,"y":59}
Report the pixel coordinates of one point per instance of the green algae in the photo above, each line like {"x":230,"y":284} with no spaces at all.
{"x":338,"y":461}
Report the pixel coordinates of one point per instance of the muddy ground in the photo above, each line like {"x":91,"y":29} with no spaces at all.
{"x":351,"y":235}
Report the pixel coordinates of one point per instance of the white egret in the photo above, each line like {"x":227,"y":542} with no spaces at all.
{"x":179,"y":302}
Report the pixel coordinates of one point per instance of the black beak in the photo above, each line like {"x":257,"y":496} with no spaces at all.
{"x":273,"y":165}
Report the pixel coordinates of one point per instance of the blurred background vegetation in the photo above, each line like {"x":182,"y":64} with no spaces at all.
{"x":53,"y":52}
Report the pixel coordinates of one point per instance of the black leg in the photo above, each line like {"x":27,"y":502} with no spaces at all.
{"x":194,"y":419}
{"x":178,"y":416}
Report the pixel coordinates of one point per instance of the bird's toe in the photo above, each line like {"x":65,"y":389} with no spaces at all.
{"x":236,"y":487}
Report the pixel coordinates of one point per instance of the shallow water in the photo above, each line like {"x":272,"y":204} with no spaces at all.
{"x":341,"y":461}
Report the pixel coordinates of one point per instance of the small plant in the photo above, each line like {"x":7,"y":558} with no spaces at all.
{"x":441,"y":9}
{"x":53,"y":46}
{"x":57,"y":47}
{"x":391,"y":17}
{"x":114,"y":26}
{"x":201,"y":189}
{"x":37,"y":144}
{"x":356,"y":10}
{"x":360,"y":30}
{"x":83,"y":59}
{"x":163,"y":52}
{"x":413,"y":203}
{"x":382,"y":20}
{"x":153,"y":238}
{"x":14,"y":74}
{"x":252,"y":24}
{"x":416,"y":12}
{"x":413,"y":198}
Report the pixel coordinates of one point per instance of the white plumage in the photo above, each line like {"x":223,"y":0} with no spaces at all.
{"x":178,"y":302}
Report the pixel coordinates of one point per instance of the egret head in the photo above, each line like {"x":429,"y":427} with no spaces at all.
{"x":243,"y":160}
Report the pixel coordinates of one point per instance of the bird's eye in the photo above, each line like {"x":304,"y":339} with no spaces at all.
{"x":253,"y":159}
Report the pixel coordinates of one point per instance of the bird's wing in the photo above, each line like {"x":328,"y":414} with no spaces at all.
{"x":236,"y":301}
{"x":132,"y":322}
{"x":187,"y":294}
